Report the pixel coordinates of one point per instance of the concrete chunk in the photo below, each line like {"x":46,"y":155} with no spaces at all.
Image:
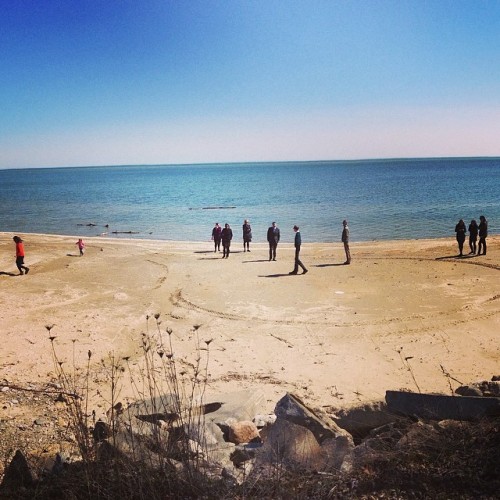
{"x":441,"y":407}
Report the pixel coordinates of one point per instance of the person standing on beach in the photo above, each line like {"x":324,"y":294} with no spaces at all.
{"x":473,"y":230}
{"x":297,"y":243}
{"x":216,"y":236}
{"x":226,"y":236}
{"x":81,"y":246}
{"x":273,"y":237}
{"x":460,"y":229}
{"x":20,"y":256}
{"x":247,"y":235}
{"x":345,"y":241}
{"x":483,"y":233}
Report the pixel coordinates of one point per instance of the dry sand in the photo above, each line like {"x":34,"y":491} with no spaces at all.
{"x":336,"y":336}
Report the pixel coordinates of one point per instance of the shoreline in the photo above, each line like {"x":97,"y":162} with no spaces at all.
{"x":336,"y":337}
{"x":236,"y":240}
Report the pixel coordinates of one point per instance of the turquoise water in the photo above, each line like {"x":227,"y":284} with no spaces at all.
{"x":382,"y":199}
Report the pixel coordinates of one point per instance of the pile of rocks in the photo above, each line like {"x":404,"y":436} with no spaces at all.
{"x":230,"y":437}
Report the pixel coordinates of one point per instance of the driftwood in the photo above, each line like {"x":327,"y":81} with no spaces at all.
{"x":41,"y":391}
{"x":209,"y":208}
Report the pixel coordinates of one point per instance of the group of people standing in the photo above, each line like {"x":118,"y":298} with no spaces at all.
{"x":225,"y":235}
{"x":475,"y":230}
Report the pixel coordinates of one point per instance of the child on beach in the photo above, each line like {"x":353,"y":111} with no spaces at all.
{"x":81,"y":246}
{"x":20,"y":255}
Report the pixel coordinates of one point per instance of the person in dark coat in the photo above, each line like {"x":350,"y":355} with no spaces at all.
{"x":473,"y":230}
{"x":216,"y":236}
{"x":298,"y":242}
{"x":247,"y":235}
{"x":273,"y":237}
{"x":460,"y":229}
{"x":226,"y":237}
{"x":483,"y":233}
{"x":345,"y":241}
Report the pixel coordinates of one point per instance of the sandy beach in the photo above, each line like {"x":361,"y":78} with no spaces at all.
{"x":336,"y":336}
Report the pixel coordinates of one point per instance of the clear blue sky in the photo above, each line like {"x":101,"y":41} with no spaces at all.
{"x":100,"y":82}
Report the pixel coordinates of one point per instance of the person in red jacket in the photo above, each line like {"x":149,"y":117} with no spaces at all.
{"x":20,"y":255}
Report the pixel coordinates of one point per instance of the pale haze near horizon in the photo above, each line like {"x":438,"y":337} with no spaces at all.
{"x":163,"y":82}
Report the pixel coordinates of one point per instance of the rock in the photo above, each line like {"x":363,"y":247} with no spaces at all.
{"x":263,"y":420}
{"x":382,"y":439}
{"x":244,"y":453}
{"x":101,"y":431}
{"x":338,"y":453}
{"x":290,"y":444}
{"x":360,"y":420}
{"x":243,"y":432}
{"x":466,"y":390}
{"x":291,"y":408}
{"x":205,"y":433}
{"x":17,"y":474}
{"x":482,"y":389}
{"x":236,"y":476}
{"x":224,"y":427}
{"x":241,"y":405}
{"x":165,"y":408}
{"x":415,"y":433}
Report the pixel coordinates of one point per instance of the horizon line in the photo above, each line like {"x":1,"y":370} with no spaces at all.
{"x":260,"y":162}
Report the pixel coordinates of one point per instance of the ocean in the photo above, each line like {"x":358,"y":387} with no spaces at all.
{"x":382,"y":199}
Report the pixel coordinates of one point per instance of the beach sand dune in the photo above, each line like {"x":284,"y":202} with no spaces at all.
{"x":336,"y":336}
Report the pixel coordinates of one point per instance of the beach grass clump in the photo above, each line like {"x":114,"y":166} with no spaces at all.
{"x":145,"y":441}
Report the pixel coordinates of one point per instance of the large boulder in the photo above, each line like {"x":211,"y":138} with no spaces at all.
{"x":290,"y":444}
{"x":291,"y":408}
{"x":240,"y":405}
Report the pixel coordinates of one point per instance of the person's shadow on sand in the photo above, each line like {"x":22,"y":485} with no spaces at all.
{"x":257,"y":260}
{"x":330,"y":265}
{"x":4,"y":273}
{"x":457,"y":257}
{"x":275,"y":275}
{"x":211,"y":251}
{"x":72,"y":255}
